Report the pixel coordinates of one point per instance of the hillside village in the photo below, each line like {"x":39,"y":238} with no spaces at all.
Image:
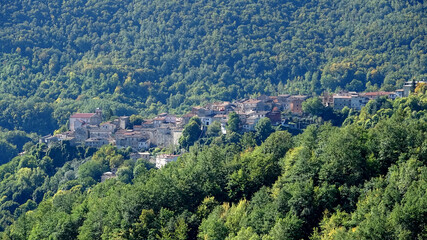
{"x":164,"y":130}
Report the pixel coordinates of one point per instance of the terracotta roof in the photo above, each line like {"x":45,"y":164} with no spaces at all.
{"x":83,"y":115}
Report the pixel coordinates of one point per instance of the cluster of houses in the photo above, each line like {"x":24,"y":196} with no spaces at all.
{"x":165,"y":129}
{"x":353,"y":100}
{"x":250,"y":111}
{"x":88,"y":129}
{"x":356,"y":100}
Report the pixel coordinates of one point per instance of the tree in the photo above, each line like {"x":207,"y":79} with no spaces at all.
{"x":263,"y":129}
{"x":313,"y":106}
{"x":287,"y":228}
{"x":93,"y":169}
{"x":214,"y":130}
{"x":145,"y":226}
{"x":413,"y":86}
{"x":233,"y":123}
{"x":248,"y":140}
{"x":135,"y":119}
{"x":125,"y":174}
{"x":7,"y":152}
{"x":191,"y":133}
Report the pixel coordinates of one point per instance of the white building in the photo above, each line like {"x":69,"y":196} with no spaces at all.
{"x":358,"y":101}
{"x":341,"y":101}
{"x":163,"y":159}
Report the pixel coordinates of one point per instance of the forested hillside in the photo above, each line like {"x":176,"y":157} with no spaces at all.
{"x":58,"y":57}
{"x":364,"y":180}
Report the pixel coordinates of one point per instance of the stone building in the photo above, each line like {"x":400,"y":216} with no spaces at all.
{"x":79,"y":119}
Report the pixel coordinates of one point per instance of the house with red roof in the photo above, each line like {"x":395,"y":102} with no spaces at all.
{"x":79,"y":119}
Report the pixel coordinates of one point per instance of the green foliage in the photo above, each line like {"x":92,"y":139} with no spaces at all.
{"x":7,"y":152}
{"x":233,"y":123}
{"x":259,"y":167}
{"x":191,"y":133}
{"x":135,"y":119}
{"x":248,"y":140}
{"x":263,"y":129}
{"x":287,"y":228}
{"x":344,"y":157}
{"x":214,"y":130}
{"x":92,"y":169}
{"x":363,"y":180}
{"x":165,"y":55}
{"x":313,"y":106}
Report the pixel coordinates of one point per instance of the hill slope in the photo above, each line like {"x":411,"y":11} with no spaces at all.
{"x":161,"y":55}
{"x":362,"y":180}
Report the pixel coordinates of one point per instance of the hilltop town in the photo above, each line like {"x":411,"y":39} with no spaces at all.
{"x":164,"y":130}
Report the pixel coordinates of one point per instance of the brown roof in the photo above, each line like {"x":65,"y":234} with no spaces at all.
{"x":128,"y":133}
{"x":83,"y":115}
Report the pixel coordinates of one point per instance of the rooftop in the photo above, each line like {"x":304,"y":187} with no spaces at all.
{"x":381,"y":93}
{"x":83,"y":115}
{"x":189,"y":115}
{"x":159,"y":118}
{"x":342,"y":96}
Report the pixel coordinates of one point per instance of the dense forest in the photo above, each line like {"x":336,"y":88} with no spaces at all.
{"x":359,"y":175}
{"x":363,"y":180}
{"x":58,"y":57}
